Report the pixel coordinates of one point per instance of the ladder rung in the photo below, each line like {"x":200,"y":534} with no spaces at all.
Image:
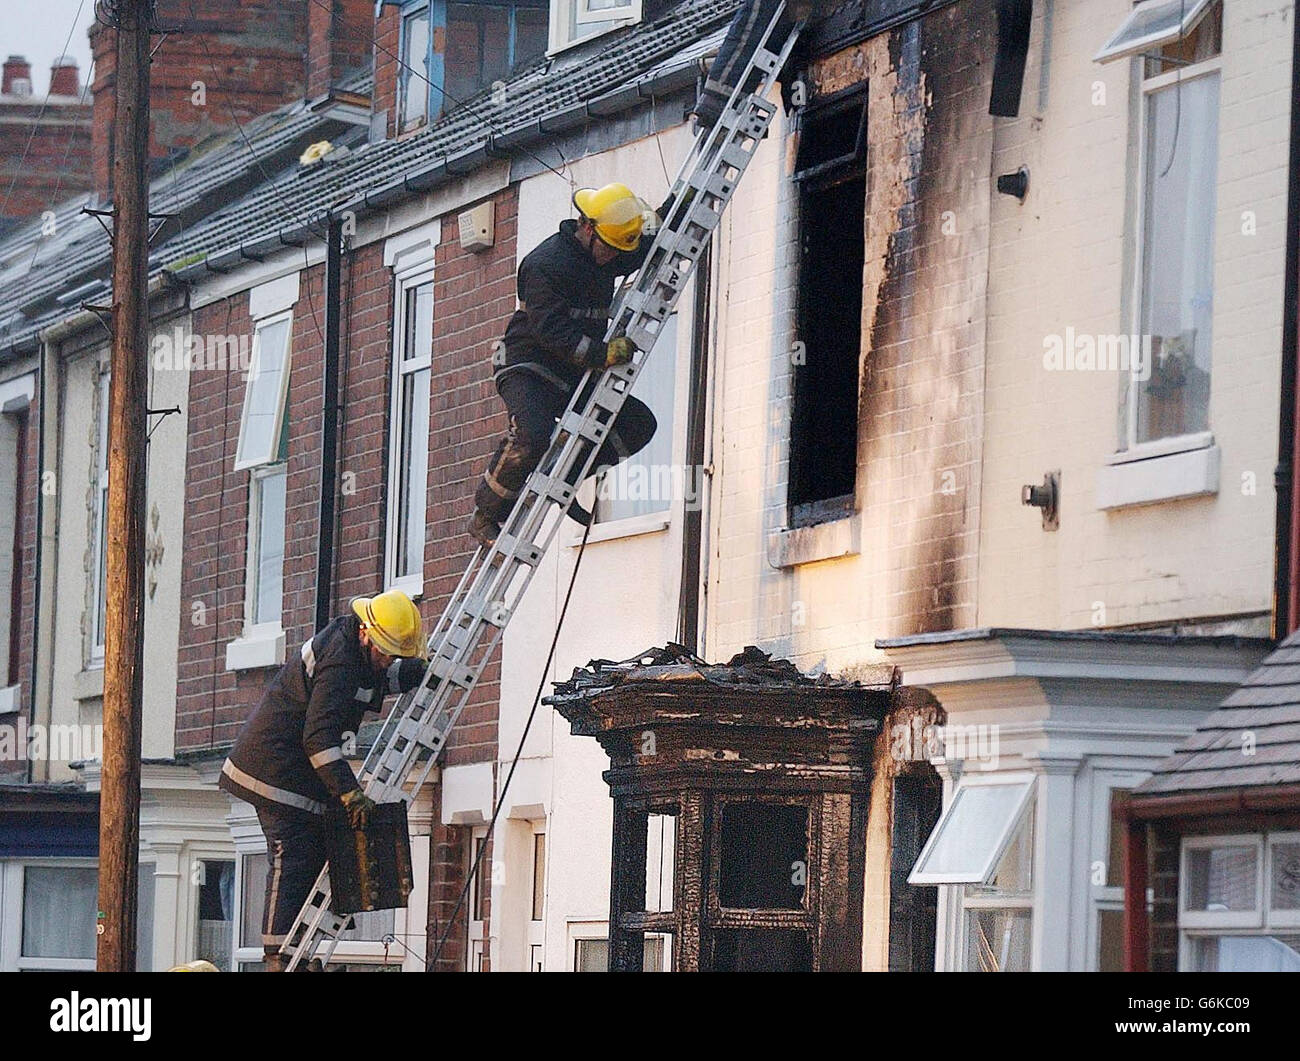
{"x":450,"y":671}
{"x":520,"y":549}
{"x":588,"y":427}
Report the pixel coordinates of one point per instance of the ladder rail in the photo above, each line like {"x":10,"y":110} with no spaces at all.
{"x":471,"y":626}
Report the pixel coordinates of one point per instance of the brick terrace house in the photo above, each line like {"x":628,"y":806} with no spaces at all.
{"x":235,"y":514}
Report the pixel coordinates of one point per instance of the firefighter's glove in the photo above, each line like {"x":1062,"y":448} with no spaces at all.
{"x":359,"y":806}
{"x":619,"y":351}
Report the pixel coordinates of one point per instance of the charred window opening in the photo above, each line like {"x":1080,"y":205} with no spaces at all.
{"x":830,"y":171}
{"x":776,"y":951}
{"x":913,"y":909}
{"x":764,"y":856}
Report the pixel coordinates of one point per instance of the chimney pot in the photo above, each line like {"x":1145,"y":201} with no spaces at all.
{"x":17,"y":78}
{"x":65,"y":79}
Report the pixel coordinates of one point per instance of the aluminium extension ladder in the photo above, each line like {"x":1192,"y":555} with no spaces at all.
{"x":466,"y":635}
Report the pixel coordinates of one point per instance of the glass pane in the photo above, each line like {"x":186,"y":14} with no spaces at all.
{"x":1284,"y":884}
{"x":1115,"y":841}
{"x":1246,"y":954}
{"x":59,"y":904}
{"x":101,"y":585}
{"x":539,"y":875}
{"x":1221,"y":878}
{"x":253,"y":888}
{"x":144,"y":918}
{"x":1178,"y":258}
{"x":1015,"y":873}
{"x":478,"y":892}
{"x":1110,"y":941}
{"x":478,"y":48}
{"x":997,"y":941}
{"x":263,"y":404}
{"x":371,"y":926}
{"x":591,"y":956}
{"x":764,"y":856}
{"x":661,"y":837}
{"x":216,"y":912}
{"x":413,"y":472}
{"x":269,"y":592}
{"x":972,"y":827}
{"x":415,"y":68}
{"x":648,"y":482}
{"x":762,"y":951}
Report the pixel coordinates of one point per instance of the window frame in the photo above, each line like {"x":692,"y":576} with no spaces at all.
{"x":585,"y":15}
{"x":13,"y":880}
{"x":563,"y":10}
{"x":405,"y":281}
{"x":1191,"y":17}
{"x":1222,"y":919}
{"x":408,"y":11}
{"x":256,"y":629}
{"x":1104,"y":897}
{"x":242,"y":461}
{"x":476,"y":940}
{"x":1028,"y":799}
{"x":1130,"y":448}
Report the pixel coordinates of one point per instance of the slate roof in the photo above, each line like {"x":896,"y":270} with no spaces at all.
{"x":281,"y":203}
{"x":1263,"y":713}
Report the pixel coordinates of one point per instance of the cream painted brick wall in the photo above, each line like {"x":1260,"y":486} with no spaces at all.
{"x":1064,"y":258}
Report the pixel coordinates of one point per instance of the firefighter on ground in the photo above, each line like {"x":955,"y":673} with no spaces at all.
{"x":290,"y":758}
{"x":565,"y":289}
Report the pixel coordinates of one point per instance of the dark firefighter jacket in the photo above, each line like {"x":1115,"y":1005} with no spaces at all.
{"x":291,"y":751}
{"x":558,"y":331}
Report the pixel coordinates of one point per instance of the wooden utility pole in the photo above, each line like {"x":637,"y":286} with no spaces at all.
{"x":119,"y":801}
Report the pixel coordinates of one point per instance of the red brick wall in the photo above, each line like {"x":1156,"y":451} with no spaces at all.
{"x":474,"y":295}
{"x":338,"y":37}
{"x":249,"y":54}
{"x":56,"y":165}
{"x":388,"y":39}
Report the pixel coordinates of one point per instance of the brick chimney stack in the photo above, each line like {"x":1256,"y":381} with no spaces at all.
{"x":339,"y":33}
{"x":17,"y":76}
{"x":65,"y":78}
{"x":222,"y":61}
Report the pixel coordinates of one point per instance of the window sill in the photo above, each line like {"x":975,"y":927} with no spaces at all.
{"x":11,"y":699}
{"x":411,"y":585}
{"x":260,"y":647}
{"x":822,"y":541}
{"x":1144,"y":478}
{"x":89,"y":683}
{"x":629,"y":527}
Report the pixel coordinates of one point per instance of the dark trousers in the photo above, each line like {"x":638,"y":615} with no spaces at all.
{"x":295,"y":853}
{"x":535,"y":404}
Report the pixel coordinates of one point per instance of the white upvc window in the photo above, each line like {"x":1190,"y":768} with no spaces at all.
{"x":263,"y":418}
{"x":264,"y":451}
{"x":1168,"y":397}
{"x":372,"y":939}
{"x":1239,"y":903}
{"x":414,"y":74}
{"x":1153,"y":24}
{"x":576,"y":20}
{"x":648,"y":482}
{"x":408,"y":480}
{"x":983,"y":843}
{"x":99,"y":524}
{"x":1106,"y":870}
{"x":480,"y":891}
{"x":49,"y":914}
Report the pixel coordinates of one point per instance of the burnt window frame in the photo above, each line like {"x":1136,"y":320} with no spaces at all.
{"x":815,"y":180}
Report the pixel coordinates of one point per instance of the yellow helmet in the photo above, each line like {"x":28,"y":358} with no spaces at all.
{"x":617,"y":214}
{"x":199,"y":965}
{"x":394,"y":623}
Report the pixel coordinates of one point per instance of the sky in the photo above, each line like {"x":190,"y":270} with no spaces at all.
{"x":39,"y":30}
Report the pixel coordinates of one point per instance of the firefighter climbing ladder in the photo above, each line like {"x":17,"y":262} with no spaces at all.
{"x":466,"y":635}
